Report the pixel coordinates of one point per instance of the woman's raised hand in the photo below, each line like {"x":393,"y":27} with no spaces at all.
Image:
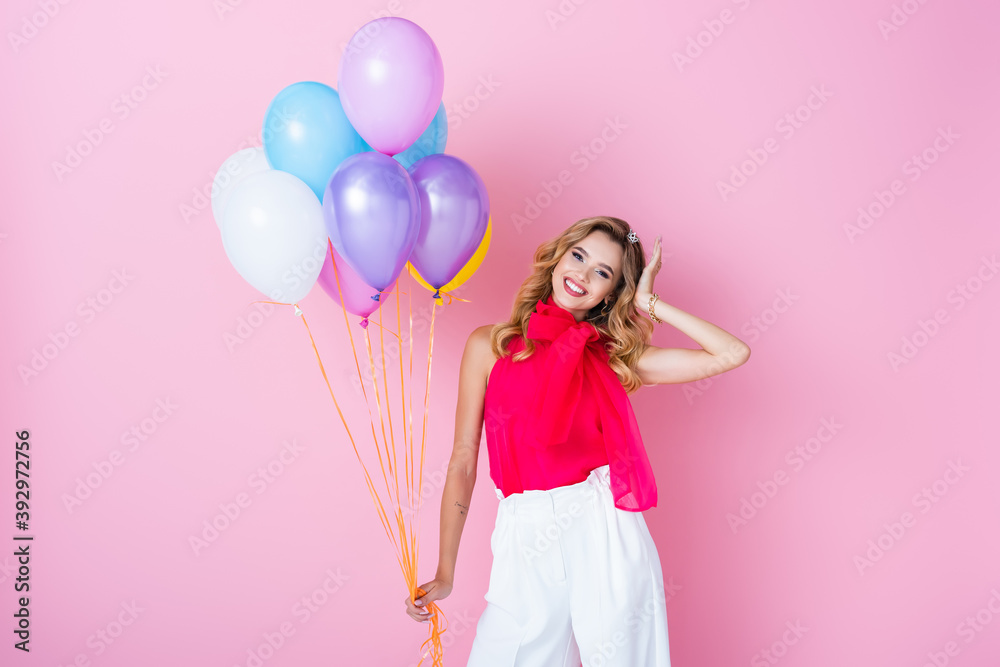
{"x":437,"y":589}
{"x":644,"y":288}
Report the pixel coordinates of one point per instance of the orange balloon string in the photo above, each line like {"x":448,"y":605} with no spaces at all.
{"x":427,"y":388}
{"x":378,"y":405}
{"x":414,"y":491}
{"x":383,"y":515}
{"x":407,"y":546}
{"x":407,"y":459}
{"x":371,"y":487}
{"x":357,"y":366}
{"x":392,"y":436}
{"x":382,"y":462}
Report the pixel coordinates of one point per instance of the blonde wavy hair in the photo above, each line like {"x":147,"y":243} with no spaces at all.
{"x":626,"y":332}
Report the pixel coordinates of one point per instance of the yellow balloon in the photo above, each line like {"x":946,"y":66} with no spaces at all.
{"x":467,"y":271}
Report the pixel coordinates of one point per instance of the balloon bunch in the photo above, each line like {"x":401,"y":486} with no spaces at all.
{"x":384,"y":192}
{"x":348,"y":189}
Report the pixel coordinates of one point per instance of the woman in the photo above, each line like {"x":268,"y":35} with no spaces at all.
{"x":576,"y":576}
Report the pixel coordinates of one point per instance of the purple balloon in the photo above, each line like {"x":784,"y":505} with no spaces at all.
{"x":358,"y":296}
{"x":390,"y":81}
{"x":372,"y":214}
{"x":454,"y":212}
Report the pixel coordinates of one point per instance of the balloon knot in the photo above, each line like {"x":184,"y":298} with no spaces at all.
{"x":298,"y":311}
{"x":364,"y":323}
{"x":375,"y":298}
{"x":437,"y":294}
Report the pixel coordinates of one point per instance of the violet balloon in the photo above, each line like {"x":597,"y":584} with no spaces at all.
{"x":454,"y":212}
{"x":372,"y":214}
{"x":390,"y":79}
{"x":358,"y":296}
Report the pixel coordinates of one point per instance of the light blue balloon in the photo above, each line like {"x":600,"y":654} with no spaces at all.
{"x":431,"y":141}
{"x":307,"y":133}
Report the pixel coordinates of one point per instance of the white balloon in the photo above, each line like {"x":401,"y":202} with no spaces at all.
{"x":274,"y":235}
{"x":233,"y":171}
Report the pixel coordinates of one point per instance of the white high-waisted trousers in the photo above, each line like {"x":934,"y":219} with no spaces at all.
{"x":574,"y":579}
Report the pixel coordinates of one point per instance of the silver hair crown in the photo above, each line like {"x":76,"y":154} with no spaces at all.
{"x":632,"y":236}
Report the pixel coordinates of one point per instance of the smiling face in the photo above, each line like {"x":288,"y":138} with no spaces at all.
{"x":587,"y":273}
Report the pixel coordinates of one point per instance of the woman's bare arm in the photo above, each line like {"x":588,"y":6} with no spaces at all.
{"x":721,"y":351}
{"x":477,"y":360}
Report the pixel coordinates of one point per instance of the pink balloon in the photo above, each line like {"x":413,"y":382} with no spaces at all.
{"x":390,"y":81}
{"x":359,"y":298}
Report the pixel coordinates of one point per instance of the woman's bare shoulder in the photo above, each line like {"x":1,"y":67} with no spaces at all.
{"x":484,"y":330}
{"x":479,"y":351}
{"x":481,"y":338}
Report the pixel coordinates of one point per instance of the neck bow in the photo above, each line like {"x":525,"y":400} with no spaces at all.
{"x":576,"y":361}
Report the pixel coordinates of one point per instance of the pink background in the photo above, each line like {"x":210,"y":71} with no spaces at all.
{"x":823,"y":311}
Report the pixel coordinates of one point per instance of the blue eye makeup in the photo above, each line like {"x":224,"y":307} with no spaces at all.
{"x":603,"y":274}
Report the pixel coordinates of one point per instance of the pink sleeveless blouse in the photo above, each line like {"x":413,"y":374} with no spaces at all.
{"x":515,"y":467}
{"x":552,"y":418}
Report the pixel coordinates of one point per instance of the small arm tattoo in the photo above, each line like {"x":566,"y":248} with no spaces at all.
{"x":464,"y":507}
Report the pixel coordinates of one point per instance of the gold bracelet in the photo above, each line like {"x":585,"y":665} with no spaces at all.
{"x":652,"y":315}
